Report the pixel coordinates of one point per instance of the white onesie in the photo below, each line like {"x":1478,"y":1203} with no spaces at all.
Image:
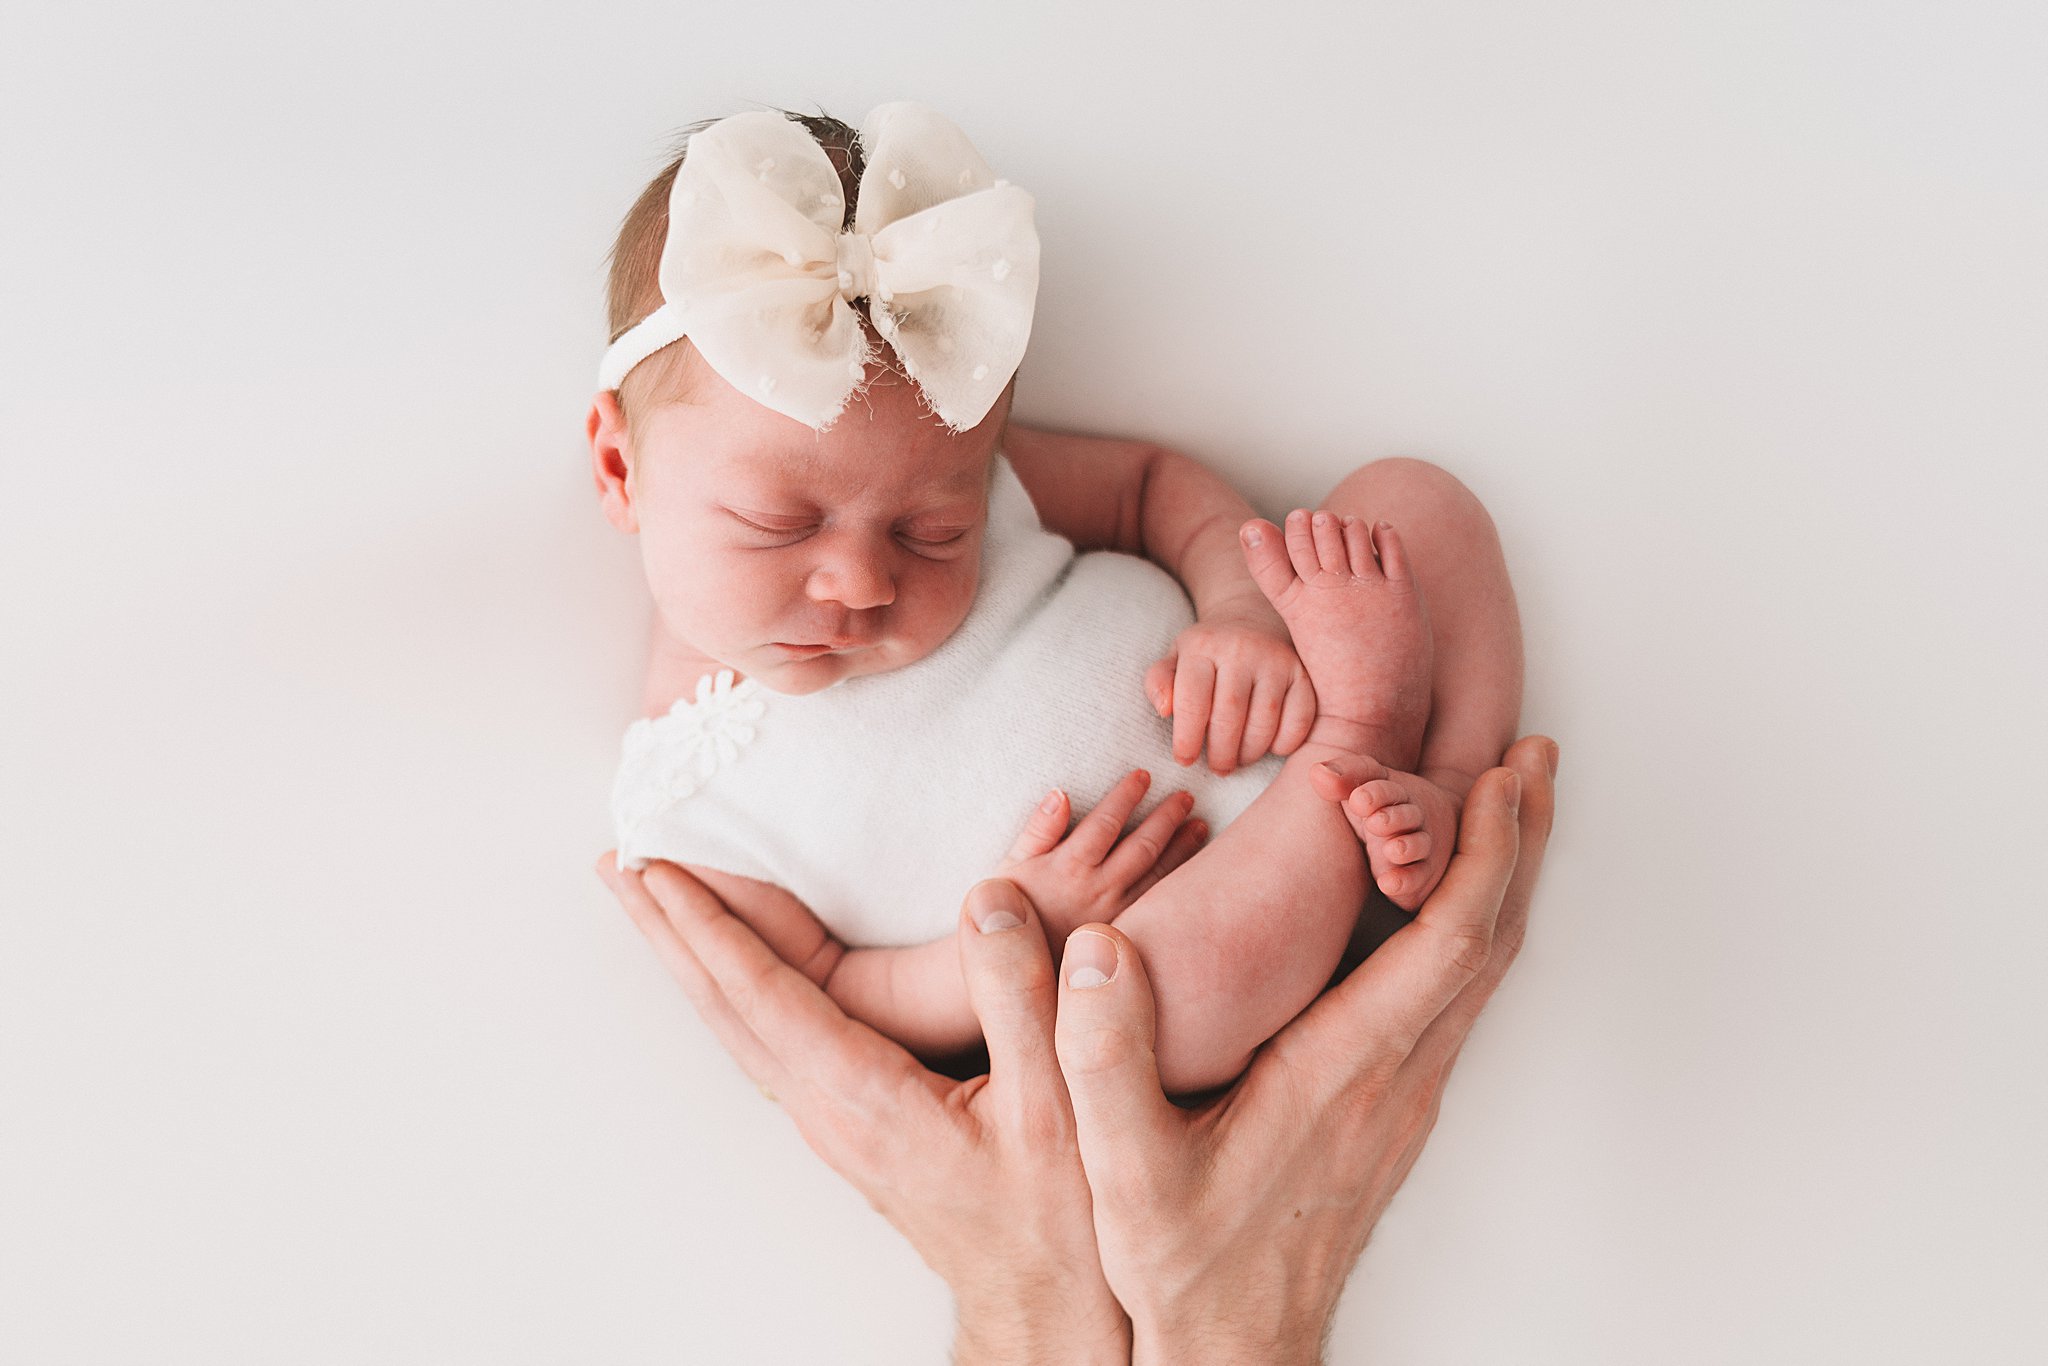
{"x":878,"y":801}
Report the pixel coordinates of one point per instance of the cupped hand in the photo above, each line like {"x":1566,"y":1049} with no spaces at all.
{"x":982,"y":1175}
{"x":1097,"y":869}
{"x":1227,"y":1230}
{"x":1233,"y":684}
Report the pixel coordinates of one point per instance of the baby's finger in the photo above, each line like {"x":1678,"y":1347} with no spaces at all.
{"x":1227,"y":717}
{"x":1044,"y":830}
{"x":1185,"y":844}
{"x":1098,"y":829}
{"x":1262,"y":719}
{"x":1297,"y":715}
{"x":1193,"y":686}
{"x":1144,"y":846}
{"x":1159,"y":684}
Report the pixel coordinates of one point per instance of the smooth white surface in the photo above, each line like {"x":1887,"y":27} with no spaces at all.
{"x":319,"y":1041}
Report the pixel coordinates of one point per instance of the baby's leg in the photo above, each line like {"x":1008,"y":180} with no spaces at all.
{"x":1407,"y":811}
{"x":1240,"y":938}
{"x":1475,"y":705}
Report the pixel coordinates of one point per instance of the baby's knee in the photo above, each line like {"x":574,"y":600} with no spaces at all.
{"x":1413,"y":493}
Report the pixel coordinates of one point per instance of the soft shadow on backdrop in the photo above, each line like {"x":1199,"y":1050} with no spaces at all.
{"x":321,"y":1042}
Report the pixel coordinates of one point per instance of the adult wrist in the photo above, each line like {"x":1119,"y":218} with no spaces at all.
{"x":1298,"y":1343}
{"x":1265,"y":1314}
{"x":1032,"y":1323}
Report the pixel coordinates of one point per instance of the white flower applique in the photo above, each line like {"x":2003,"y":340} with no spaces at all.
{"x":704,"y":736}
{"x":695,"y":740}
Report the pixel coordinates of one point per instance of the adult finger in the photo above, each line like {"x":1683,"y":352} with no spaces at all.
{"x":1097,"y":831}
{"x":1534,"y":758}
{"x":1143,"y":847}
{"x":1010,"y":984}
{"x":1046,"y":828}
{"x":1297,"y":714}
{"x":1193,"y":686}
{"x":1104,"y":1037}
{"x":1227,"y":716}
{"x":757,"y":1062}
{"x":793,"y":1019}
{"x":1375,"y":1016}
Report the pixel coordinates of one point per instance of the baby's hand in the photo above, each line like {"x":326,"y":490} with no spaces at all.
{"x":1234,"y":676}
{"x":1079,"y":878}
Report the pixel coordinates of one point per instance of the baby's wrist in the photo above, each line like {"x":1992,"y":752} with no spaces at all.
{"x":1247,"y":604}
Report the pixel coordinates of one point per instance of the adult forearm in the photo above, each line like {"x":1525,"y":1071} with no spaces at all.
{"x":1188,"y":518}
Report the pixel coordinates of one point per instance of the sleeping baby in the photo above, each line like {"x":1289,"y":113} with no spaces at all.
{"x":900,"y":642}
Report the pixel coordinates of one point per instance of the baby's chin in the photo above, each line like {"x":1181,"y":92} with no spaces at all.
{"x":795,"y":677}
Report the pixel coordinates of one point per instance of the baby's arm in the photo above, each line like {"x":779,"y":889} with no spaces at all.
{"x":1232,"y":680}
{"x":917,"y":995}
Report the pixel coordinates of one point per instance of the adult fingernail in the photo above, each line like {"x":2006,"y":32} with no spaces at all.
{"x":1514,"y":793}
{"x":1553,"y":758}
{"x":1091,"y":959}
{"x":993,"y":908}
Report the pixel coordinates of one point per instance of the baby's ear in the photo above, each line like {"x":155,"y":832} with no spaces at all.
{"x":611,"y":463}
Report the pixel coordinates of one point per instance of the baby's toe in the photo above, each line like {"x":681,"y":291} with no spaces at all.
{"x":1301,"y":545}
{"x":1405,"y":885}
{"x":1395,"y":820}
{"x":1409,"y":848}
{"x":1328,"y":534}
{"x":1377,"y":796}
{"x":1265,"y":555}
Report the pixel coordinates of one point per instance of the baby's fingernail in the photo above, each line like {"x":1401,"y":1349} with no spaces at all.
{"x":1051,"y":802}
{"x":993,"y":908}
{"x":1251,"y":536}
{"x":1091,"y":959}
{"x":1201,"y":829}
{"x":1514,"y":793}
{"x":1553,"y":758}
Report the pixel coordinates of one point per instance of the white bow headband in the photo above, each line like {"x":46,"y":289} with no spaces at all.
{"x":758,"y":275}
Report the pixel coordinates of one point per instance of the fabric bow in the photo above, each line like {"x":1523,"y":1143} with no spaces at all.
{"x":758,"y":275}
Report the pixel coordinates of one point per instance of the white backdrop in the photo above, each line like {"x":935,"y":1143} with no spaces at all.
{"x":319,"y":1040}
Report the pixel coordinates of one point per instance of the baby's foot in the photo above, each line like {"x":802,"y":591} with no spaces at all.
{"x":1408,"y":824}
{"x":1359,"y":626}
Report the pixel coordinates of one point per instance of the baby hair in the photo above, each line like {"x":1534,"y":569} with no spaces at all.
{"x":633,"y":290}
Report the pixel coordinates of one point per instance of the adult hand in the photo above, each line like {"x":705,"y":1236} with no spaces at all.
{"x":1227,"y":1231}
{"x":983,"y":1175}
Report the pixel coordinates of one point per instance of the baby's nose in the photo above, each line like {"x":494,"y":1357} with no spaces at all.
{"x":856,"y":581}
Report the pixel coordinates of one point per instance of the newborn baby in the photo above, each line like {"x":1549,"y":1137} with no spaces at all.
{"x":889,"y":639}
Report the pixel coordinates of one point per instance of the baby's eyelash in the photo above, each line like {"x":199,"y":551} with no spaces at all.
{"x":928,"y":541}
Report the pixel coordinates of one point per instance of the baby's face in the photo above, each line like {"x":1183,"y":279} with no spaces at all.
{"x":801,"y":558}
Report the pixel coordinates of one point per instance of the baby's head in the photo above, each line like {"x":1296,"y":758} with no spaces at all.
{"x":797,"y":557}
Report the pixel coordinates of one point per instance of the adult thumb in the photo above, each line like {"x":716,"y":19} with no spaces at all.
{"x":1104,"y":1037}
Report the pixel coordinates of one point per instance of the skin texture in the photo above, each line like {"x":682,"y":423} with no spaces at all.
{"x":1077,"y":1214}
